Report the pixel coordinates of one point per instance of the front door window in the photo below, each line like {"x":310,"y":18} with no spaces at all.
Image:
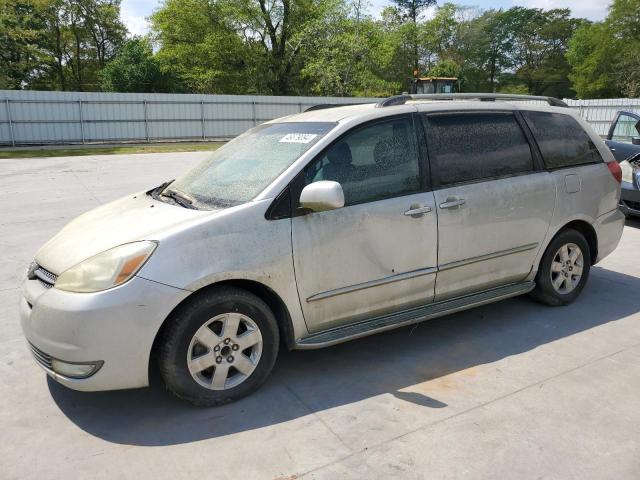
{"x":372,"y":163}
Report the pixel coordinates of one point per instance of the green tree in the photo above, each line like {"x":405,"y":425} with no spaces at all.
{"x":495,"y":46}
{"x":346,"y":55}
{"x":195,"y":37}
{"x":135,"y":69}
{"x":409,"y":11}
{"x":605,"y":56}
{"x":445,"y":68}
{"x":57,"y":44}
{"x":22,"y":35}
{"x":245,"y":46}
{"x":623,"y":24}
{"x":539,"y":43}
{"x":84,"y":35}
{"x":591,"y":57}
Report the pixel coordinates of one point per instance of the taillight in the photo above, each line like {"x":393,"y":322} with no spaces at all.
{"x":616,"y":171}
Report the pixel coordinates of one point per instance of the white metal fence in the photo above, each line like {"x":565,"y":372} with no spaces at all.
{"x":40,"y":118}
{"x":32,"y":117}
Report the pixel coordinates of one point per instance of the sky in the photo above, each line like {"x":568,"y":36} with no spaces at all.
{"x":134,"y":12}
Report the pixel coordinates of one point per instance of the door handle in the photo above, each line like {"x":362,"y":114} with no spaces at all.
{"x":417,"y":211}
{"x":453,"y":202}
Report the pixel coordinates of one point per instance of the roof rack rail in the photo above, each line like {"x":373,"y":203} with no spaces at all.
{"x":322,"y":106}
{"x":486,"y":97}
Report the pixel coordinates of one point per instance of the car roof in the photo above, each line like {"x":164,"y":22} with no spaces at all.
{"x":367,"y":111}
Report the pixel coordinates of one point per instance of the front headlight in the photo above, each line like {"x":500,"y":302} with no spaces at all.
{"x":107,"y":269}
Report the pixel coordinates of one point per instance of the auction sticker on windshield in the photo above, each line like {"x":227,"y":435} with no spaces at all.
{"x":298,"y":138}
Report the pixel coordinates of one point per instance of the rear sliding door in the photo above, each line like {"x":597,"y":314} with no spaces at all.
{"x":494,"y":202}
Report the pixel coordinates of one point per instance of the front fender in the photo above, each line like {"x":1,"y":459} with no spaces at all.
{"x":236,"y":244}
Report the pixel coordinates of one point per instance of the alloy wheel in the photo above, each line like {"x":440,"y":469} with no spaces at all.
{"x":224,"y":351}
{"x":566,"y":268}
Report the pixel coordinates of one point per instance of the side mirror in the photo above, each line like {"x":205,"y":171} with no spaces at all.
{"x":321,"y":196}
{"x":635,"y":140}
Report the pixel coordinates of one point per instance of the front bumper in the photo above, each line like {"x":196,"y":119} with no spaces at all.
{"x":116,"y":327}
{"x":630,"y":199}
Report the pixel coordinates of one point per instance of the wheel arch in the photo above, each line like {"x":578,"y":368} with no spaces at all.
{"x":588,"y":232}
{"x":266,"y":294}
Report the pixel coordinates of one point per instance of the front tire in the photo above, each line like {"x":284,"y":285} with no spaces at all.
{"x":564,"y":269}
{"x":218,"y":347}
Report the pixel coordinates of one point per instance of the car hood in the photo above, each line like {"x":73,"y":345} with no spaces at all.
{"x":132,"y":218}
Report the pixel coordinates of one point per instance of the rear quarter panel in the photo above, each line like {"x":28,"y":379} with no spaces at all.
{"x":598,"y":192}
{"x":598,"y":195}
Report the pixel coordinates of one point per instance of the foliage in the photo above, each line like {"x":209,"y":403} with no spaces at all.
{"x":135,"y":69}
{"x":412,"y":9}
{"x":605,"y":56}
{"x":22,"y":34}
{"x":408,"y":12}
{"x":322,"y":47}
{"x":201,"y":47}
{"x":514,"y":88}
{"x":57,"y":44}
{"x":445,"y":68}
{"x":540,"y":41}
{"x":623,"y":23}
{"x":591,"y":58}
{"x":346,"y":56}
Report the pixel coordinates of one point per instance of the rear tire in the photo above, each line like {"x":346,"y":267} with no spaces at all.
{"x":218,"y":347}
{"x":563,"y":270}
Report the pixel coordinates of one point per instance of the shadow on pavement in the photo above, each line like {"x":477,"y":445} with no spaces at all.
{"x":312,"y":381}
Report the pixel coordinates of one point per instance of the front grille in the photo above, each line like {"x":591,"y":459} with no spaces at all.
{"x":45,"y":277}
{"x":42,"y":358}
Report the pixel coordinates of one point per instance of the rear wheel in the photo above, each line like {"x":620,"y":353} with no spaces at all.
{"x":564,"y":269}
{"x":218,"y":347}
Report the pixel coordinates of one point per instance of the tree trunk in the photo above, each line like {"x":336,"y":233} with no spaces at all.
{"x":59,"y":56}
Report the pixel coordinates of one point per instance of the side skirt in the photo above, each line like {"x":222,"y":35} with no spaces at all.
{"x":408,"y":317}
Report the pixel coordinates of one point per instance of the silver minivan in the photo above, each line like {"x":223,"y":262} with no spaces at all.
{"x":322,"y":227}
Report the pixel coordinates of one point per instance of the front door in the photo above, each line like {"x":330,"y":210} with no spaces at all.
{"x":377,"y":254}
{"x":494,"y":205}
{"x":622,"y":135}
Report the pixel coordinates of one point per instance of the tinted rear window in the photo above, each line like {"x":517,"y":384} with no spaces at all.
{"x":473,"y":146}
{"x":562,"y":140}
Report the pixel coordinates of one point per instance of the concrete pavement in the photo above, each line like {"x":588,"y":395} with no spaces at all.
{"x":510,"y":390}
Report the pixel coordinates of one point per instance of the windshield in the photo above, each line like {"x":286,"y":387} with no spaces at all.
{"x":238,"y":171}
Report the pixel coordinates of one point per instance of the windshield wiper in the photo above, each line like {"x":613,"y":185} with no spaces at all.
{"x":180,"y":198}
{"x":155,"y":190}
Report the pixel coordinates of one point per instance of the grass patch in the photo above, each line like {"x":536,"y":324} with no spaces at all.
{"x":100,"y":150}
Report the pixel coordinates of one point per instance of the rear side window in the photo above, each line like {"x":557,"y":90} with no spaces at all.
{"x":562,"y":141}
{"x":472,"y":146}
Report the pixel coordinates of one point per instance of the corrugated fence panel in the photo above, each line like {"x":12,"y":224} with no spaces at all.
{"x":115,"y":132}
{"x":32,"y":117}
{"x":113,"y":121}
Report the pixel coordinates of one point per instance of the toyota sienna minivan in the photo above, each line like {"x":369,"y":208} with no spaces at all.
{"x":322,"y":227}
